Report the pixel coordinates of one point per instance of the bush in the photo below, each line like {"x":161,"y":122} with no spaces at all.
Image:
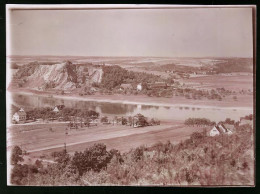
{"x":138,"y":154}
{"x":16,"y":155}
{"x":94,"y":158}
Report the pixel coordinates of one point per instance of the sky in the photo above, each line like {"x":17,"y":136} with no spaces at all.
{"x":200,"y":32}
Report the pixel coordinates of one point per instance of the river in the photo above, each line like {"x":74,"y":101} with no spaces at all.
{"x":123,"y":109}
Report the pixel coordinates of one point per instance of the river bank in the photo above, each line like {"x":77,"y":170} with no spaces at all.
{"x":244,"y":102}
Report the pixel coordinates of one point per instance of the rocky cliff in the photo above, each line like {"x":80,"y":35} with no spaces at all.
{"x":63,"y":76}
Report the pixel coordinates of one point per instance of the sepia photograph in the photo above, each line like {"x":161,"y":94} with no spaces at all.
{"x":130,"y":95}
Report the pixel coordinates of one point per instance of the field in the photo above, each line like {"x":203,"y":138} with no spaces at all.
{"x":38,"y":140}
{"x":230,"y":82}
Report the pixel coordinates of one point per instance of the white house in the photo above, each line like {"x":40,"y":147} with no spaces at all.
{"x":93,"y":121}
{"x":56,"y":109}
{"x":20,"y":116}
{"x":139,"y":87}
{"x":214,"y":131}
{"x":219,"y":129}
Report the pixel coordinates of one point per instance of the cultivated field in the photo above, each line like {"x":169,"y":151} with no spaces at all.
{"x":230,"y":82}
{"x":38,"y":140}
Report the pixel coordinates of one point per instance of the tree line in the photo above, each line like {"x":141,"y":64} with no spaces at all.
{"x":199,"y":122}
{"x":65,"y":113}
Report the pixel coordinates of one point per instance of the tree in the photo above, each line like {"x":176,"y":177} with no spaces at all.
{"x":94,"y":158}
{"x":130,"y":120}
{"x":115,"y":153}
{"x":229,"y":121}
{"x":104,"y":119}
{"x":141,"y":120}
{"x":138,"y":153}
{"x":16,"y":155}
{"x":124,"y":121}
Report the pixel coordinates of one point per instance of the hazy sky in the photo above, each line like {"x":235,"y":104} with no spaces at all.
{"x":200,"y":32}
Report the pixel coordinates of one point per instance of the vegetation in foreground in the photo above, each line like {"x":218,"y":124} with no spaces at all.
{"x":199,"y":160}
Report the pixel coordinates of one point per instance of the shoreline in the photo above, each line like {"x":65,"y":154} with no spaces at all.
{"x":96,"y":98}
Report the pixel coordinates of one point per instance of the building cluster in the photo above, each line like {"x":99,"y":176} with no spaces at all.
{"x":220,"y":129}
{"x":228,"y":129}
{"x":149,"y":86}
{"x":138,"y":120}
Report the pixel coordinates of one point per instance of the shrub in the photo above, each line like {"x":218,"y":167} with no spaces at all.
{"x":16,"y":155}
{"x":94,"y":158}
{"x":138,"y":153}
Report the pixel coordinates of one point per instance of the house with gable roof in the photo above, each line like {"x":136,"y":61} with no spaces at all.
{"x":219,"y":129}
{"x":20,"y":116}
{"x":56,"y":109}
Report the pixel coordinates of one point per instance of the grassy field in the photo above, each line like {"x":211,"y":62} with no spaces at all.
{"x":234,"y":82}
{"x":39,"y":140}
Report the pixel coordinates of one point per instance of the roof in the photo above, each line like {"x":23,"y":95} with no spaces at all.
{"x":229,"y":126}
{"x":157,"y":84}
{"x":21,"y":113}
{"x":56,"y":109}
{"x":126,"y":86}
{"x":221,"y":128}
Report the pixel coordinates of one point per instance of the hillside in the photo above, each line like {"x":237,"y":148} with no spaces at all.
{"x":75,"y":77}
{"x":62,"y":76}
{"x":200,"y":160}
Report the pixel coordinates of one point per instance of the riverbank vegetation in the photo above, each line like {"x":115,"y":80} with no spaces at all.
{"x":65,"y":113}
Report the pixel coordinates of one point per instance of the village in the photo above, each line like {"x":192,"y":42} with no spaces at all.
{"x":94,"y":119}
{"x":75,"y":122}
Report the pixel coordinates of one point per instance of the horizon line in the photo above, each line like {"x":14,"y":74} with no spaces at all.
{"x":125,"y":56}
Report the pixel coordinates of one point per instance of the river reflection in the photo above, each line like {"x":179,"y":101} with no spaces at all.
{"x":120,"y":109}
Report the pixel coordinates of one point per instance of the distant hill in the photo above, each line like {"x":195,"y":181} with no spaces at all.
{"x":234,"y":65}
{"x":223,"y":65}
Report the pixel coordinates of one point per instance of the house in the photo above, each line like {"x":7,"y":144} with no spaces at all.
{"x":56,"y":110}
{"x":225,"y":129}
{"x":20,"y":116}
{"x":244,"y":121}
{"x":125,"y":87}
{"x":214,"y":131}
{"x":219,"y":129}
{"x":93,"y":89}
{"x":157,"y":85}
{"x":93,"y":121}
{"x":139,"y":87}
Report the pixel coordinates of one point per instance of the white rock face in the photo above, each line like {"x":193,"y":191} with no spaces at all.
{"x":59,"y":75}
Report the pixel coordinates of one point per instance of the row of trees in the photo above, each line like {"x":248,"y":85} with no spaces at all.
{"x":114,"y":76}
{"x":199,"y":122}
{"x":65,"y":113}
{"x":138,"y":120}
